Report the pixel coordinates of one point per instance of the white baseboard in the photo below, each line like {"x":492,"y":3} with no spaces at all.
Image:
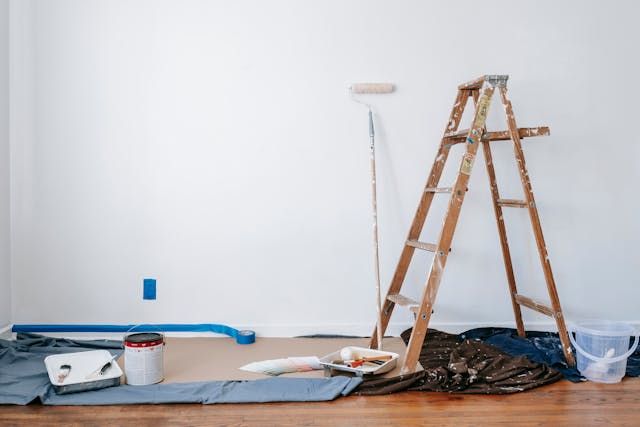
{"x":296,"y":330}
{"x":394,"y":329}
{"x":352,"y":329}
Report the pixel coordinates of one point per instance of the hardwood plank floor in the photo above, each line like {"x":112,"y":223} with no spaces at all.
{"x":560,"y":404}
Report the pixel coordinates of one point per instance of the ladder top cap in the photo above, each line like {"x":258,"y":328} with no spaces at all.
{"x":499,"y":80}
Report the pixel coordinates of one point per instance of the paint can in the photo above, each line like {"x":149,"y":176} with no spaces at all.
{"x":143,"y":358}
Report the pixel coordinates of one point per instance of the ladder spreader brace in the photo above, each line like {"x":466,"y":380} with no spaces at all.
{"x":472,"y":138}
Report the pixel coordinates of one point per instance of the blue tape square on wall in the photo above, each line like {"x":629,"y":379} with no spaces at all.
{"x":149,"y":289}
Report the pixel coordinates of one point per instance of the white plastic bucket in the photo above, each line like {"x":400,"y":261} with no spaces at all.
{"x":143,"y":358}
{"x":603,"y":349}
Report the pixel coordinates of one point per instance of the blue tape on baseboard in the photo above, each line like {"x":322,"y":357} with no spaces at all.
{"x":242,"y":336}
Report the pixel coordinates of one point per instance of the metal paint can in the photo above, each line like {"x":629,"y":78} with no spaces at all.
{"x":143,"y":358}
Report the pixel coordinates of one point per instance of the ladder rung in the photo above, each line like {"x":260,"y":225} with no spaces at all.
{"x":503,"y":135}
{"x":457,"y":134}
{"x":403,"y":301}
{"x":512,"y":203}
{"x":438,"y":189}
{"x":534,"y":305}
{"x":422,"y":245}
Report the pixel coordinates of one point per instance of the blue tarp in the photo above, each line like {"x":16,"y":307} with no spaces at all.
{"x":24,"y":379}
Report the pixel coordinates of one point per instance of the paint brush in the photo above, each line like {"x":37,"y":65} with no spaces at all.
{"x":103,"y":368}
{"x":358,"y":362}
{"x":63,"y":372}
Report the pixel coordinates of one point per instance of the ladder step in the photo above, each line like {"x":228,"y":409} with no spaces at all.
{"x":504,"y":135}
{"x":422,"y":245}
{"x":512,"y":203}
{"x":403,"y":301}
{"x":461,"y":135}
{"x":457,"y":134}
{"x":438,"y":189}
{"x":534,"y":305}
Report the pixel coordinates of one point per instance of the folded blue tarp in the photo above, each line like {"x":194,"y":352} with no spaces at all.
{"x":24,"y":379}
{"x":258,"y":391}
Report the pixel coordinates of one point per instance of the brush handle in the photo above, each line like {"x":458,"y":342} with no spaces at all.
{"x":374,"y":359}
{"x":103,"y":368}
{"x":359,"y":362}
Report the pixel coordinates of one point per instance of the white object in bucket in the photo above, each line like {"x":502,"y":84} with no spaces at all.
{"x":603,"y":349}
{"x":143,"y":358}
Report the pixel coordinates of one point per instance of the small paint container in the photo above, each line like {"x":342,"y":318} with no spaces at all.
{"x":144,"y":358}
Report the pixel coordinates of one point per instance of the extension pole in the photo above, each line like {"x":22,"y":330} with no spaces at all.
{"x":374,"y":88}
{"x":375,"y":227}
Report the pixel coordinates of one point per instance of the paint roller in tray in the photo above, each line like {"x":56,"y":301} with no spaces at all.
{"x":373,"y":89}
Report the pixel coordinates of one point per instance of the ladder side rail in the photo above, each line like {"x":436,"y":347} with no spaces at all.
{"x":502,"y":232}
{"x":420,"y":216}
{"x":446,"y":236}
{"x":537,"y":228}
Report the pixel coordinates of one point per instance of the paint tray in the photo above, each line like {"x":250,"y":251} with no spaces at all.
{"x":367,"y":368}
{"x":84,"y":374}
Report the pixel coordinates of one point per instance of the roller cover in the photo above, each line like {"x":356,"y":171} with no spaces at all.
{"x":372,"y":88}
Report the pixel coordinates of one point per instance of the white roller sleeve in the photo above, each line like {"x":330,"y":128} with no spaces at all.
{"x":372,"y":88}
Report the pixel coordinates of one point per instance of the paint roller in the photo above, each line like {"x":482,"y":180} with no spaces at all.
{"x":373,"y":89}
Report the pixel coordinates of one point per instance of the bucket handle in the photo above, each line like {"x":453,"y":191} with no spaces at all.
{"x":145,"y":325}
{"x":603,"y":359}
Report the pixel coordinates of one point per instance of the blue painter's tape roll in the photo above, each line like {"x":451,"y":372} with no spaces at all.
{"x":245,"y":337}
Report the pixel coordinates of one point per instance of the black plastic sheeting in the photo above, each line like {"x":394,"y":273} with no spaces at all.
{"x":486,"y":361}
{"x":458,"y":365}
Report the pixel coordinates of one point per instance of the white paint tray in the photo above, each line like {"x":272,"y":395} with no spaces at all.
{"x":83,"y":365}
{"x":365,"y":369}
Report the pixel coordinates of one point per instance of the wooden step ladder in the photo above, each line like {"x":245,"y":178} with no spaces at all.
{"x":472,"y":138}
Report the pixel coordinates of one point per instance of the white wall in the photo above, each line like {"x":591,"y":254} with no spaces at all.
{"x":5,"y":232}
{"x":212,"y":145}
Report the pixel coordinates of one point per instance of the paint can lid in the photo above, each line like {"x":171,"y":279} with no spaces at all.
{"x":142,"y":337}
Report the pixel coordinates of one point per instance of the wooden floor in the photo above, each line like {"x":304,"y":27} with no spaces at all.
{"x":559,"y":404}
